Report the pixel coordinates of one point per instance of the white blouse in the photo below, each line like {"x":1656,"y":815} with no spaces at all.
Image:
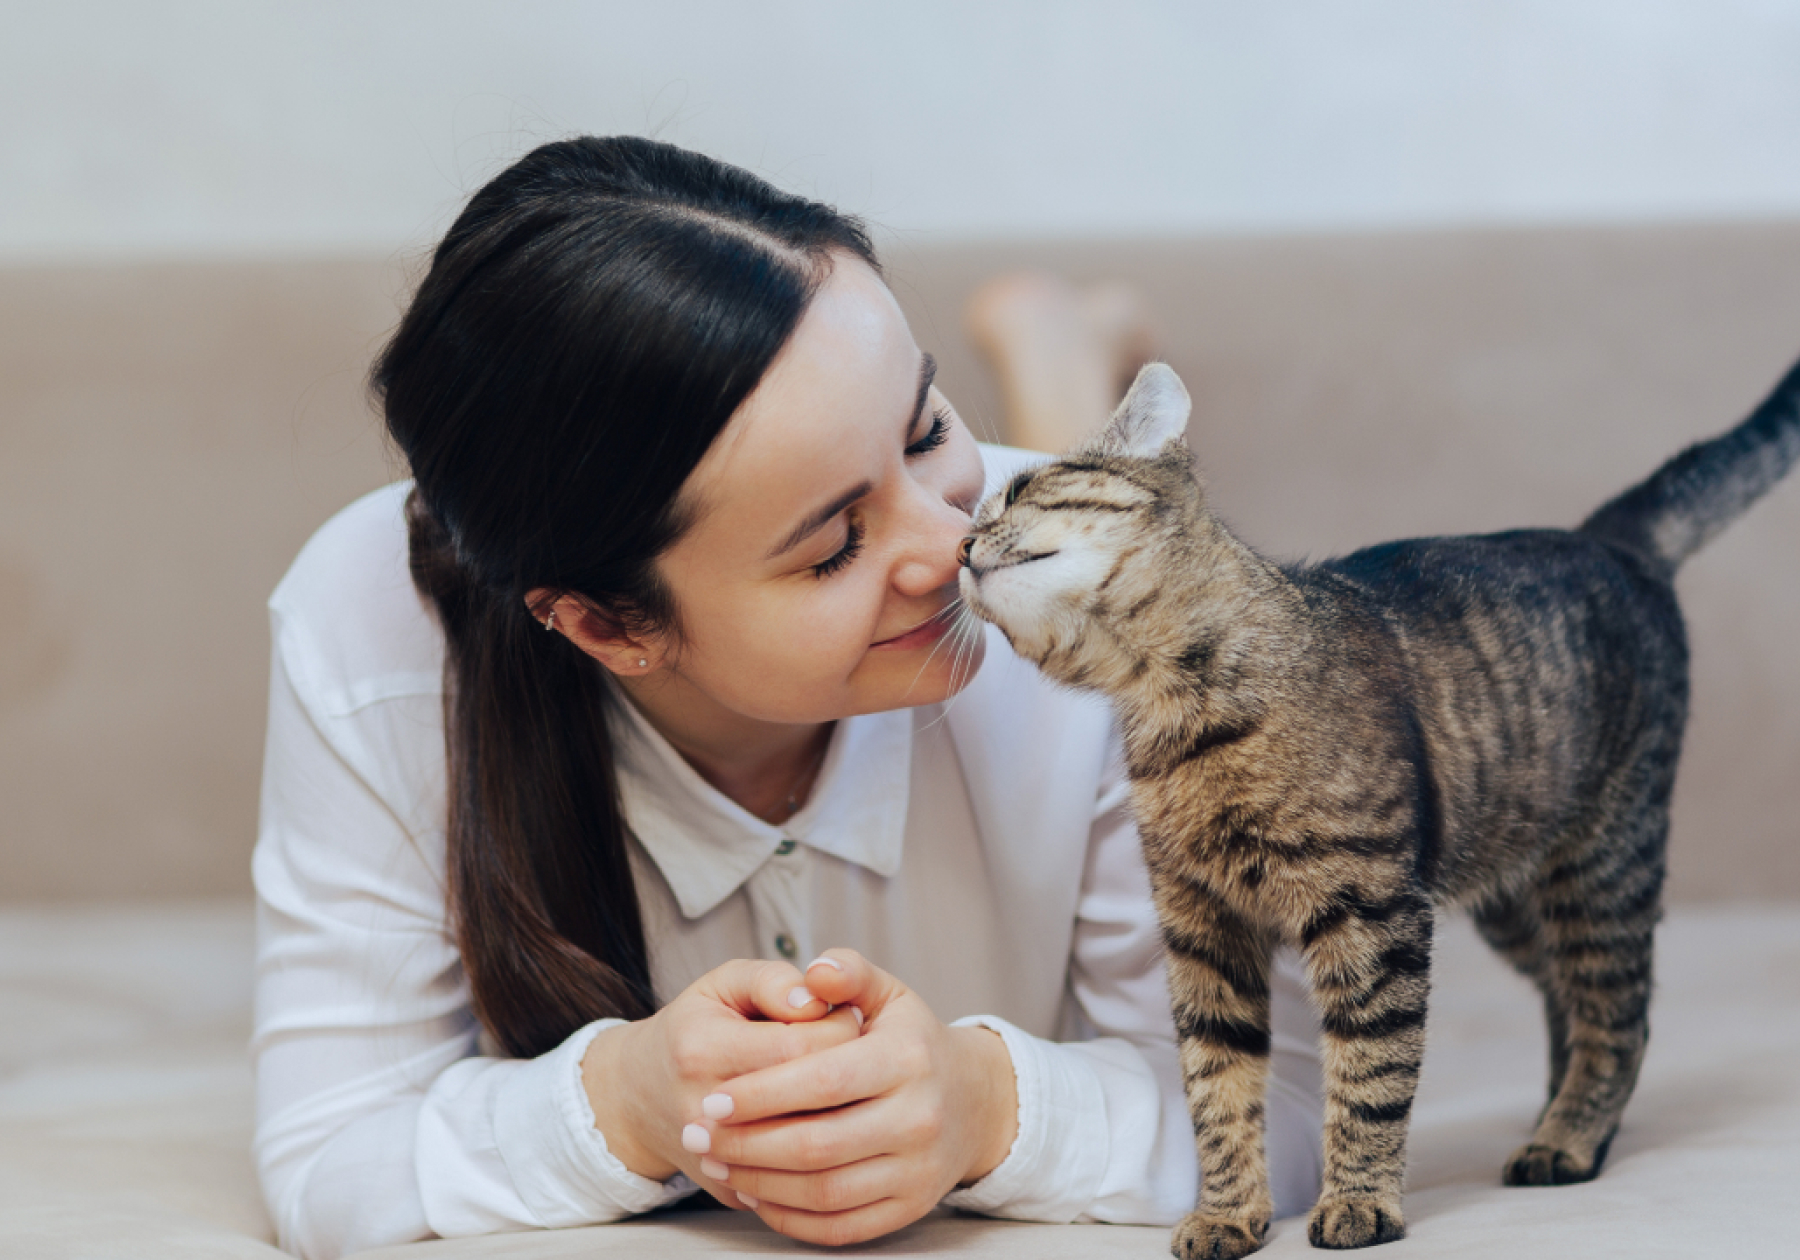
{"x":948,"y":843}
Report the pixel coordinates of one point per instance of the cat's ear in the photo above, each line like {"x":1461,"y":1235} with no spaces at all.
{"x":1154,"y":413}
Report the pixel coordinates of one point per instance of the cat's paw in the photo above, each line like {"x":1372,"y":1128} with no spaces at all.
{"x":1538,"y":1165}
{"x":1203,"y":1236}
{"x":1347,"y":1221}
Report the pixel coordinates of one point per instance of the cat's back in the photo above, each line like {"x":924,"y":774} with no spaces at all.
{"x":1539,"y":661}
{"x":1514,"y":589}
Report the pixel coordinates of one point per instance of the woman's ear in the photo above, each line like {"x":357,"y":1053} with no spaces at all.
{"x":602,"y":637}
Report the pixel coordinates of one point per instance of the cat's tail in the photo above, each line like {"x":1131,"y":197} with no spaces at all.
{"x":1681,"y":506}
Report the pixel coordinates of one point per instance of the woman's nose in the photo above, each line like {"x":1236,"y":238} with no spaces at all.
{"x":962,"y":550}
{"x":934,"y":550}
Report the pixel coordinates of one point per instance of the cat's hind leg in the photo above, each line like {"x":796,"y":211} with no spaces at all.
{"x":1599,"y":909}
{"x":1515,"y":930}
{"x":1218,"y":968}
{"x":1369,"y":960}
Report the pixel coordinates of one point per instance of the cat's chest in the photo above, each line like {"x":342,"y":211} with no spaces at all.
{"x":1213,"y":804}
{"x":1233,"y":843}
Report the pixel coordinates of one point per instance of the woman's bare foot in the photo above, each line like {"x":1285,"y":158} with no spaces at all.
{"x":1064,"y":355}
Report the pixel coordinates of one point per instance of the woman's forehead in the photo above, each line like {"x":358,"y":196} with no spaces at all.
{"x":836,"y":397}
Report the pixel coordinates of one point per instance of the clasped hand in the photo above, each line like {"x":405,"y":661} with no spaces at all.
{"x":835,"y":1104}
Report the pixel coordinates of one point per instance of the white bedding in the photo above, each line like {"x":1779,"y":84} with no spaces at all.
{"x":125,"y":1110}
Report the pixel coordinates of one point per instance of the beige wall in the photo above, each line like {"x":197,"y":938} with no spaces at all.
{"x":170,"y":434}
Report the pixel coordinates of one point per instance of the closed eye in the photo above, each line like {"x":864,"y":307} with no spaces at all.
{"x":838,"y":560}
{"x":934,"y":437}
{"x":1087,"y":505}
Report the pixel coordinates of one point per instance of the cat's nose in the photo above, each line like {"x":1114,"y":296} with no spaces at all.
{"x":962,"y":550}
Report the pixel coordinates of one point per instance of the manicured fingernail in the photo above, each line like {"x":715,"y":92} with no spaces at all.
{"x":798,"y":997}
{"x":857,"y":1011}
{"x":748,"y":1202}
{"x":714,"y":1169}
{"x":825,"y":962}
{"x":695,"y":1138}
{"x":717,"y":1106}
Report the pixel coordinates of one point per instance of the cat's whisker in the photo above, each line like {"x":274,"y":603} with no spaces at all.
{"x":959,"y":655}
{"x":967,"y":640}
{"x":951,"y":609}
{"x":954,"y":663}
{"x":971,"y":649}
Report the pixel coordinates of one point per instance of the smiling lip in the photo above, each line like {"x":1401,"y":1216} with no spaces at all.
{"x":930,"y":630}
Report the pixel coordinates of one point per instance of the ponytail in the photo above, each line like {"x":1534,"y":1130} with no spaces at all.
{"x":550,"y":932}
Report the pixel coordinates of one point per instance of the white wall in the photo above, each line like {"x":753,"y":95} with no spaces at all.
{"x":130,"y":129}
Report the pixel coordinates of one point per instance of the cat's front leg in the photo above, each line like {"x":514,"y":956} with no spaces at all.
{"x":1219,"y":981}
{"x":1369,"y":959}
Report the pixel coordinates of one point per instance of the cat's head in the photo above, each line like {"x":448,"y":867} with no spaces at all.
{"x":1069,"y":557}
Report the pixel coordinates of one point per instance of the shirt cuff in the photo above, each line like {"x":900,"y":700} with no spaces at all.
{"x":558,"y":1160}
{"x":1058,"y":1158}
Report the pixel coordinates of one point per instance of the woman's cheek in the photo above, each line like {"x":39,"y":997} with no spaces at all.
{"x":858,"y":622}
{"x":818,"y":633}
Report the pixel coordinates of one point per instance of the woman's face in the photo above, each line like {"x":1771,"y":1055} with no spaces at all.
{"x":826,"y":520}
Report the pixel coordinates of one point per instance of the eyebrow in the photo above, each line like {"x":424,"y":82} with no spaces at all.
{"x":821,"y":517}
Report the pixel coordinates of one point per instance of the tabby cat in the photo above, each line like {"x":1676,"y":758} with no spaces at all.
{"x":1321,"y":755}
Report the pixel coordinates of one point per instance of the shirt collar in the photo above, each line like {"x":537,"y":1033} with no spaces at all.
{"x":706,"y":845}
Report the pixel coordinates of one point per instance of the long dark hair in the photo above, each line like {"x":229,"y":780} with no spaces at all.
{"x":586,"y":328}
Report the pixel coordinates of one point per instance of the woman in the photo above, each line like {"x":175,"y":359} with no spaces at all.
{"x":656,"y":672}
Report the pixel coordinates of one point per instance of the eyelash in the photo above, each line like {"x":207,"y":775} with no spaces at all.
{"x":853,"y":544}
{"x":853,"y":541}
{"x":934,"y":437}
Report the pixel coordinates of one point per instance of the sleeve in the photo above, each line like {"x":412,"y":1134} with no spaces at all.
{"x":377,"y":1119}
{"x":1104,"y":1133}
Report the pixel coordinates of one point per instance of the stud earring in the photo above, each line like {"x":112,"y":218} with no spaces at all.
{"x":642,"y":663}
{"x":550,"y":621}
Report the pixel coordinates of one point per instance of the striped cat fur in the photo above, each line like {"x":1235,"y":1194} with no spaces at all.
{"x":1323,"y":756}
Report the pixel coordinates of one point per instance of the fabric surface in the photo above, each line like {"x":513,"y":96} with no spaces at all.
{"x":125,"y":1103}
{"x":125,"y":1111}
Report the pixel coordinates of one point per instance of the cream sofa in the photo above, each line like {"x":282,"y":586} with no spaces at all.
{"x":125,"y":1111}
{"x":173,"y":432}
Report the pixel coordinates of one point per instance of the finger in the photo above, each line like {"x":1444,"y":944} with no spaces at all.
{"x":839,"y":1229}
{"x":844,"y":977}
{"x":762,"y":989}
{"x":750,"y":1047}
{"x":834,"y":1190}
{"x":815,"y":1142}
{"x":732,"y":1187}
{"x":835,"y":1077}
{"x":711,"y":1176}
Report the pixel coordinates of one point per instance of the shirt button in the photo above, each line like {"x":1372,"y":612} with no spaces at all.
{"x":786,"y":847}
{"x":784,"y":945}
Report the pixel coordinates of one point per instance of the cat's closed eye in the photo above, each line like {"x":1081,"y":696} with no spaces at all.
{"x":1017,"y":487}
